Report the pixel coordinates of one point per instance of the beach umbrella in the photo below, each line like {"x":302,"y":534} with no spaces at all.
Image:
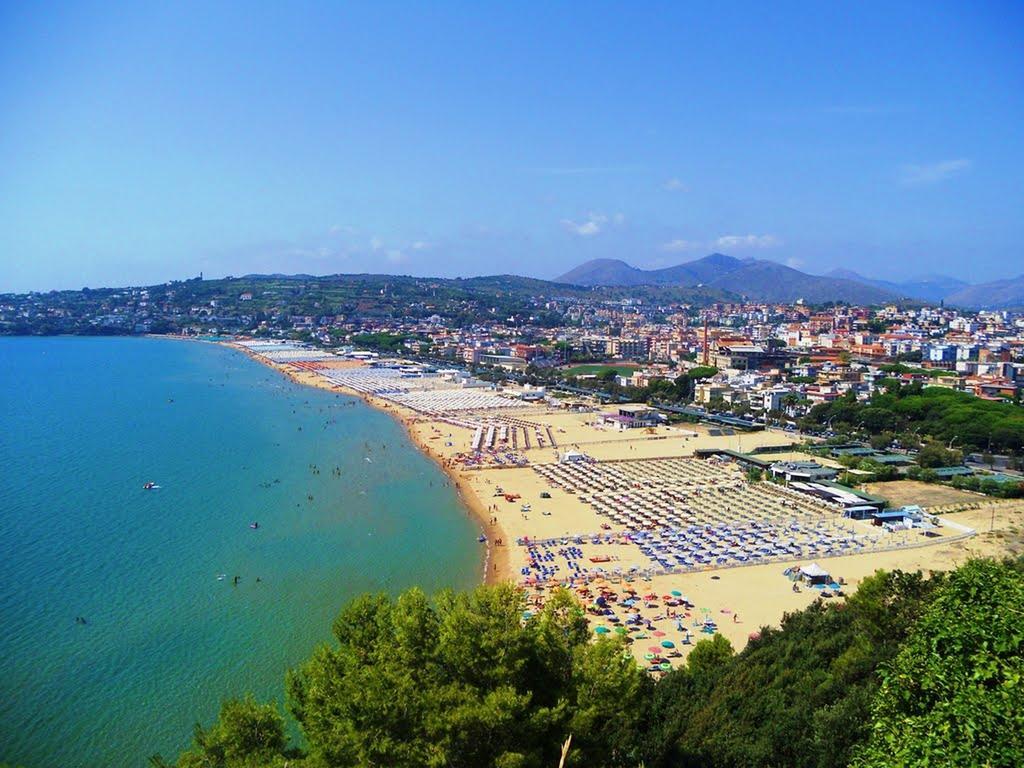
{"x":649,"y":656}
{"x":664,"y":666}
{"x":667,"y":644}
{"x":654,"y":649}
{"x":602,"y":630}
{"x":676,"y":593}
{"x":658,"y":633}
{"x":621,"y":631}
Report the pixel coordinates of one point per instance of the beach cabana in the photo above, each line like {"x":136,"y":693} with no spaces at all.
{"x":815,"y":574}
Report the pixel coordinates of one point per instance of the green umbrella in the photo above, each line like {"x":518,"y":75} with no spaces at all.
{"x":621,"y":630}
{"x":648,"y":656}
{"x":665,"y":666}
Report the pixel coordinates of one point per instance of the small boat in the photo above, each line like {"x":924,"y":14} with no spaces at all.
{"x":254,"y":525}
{"x":149,"y":486}
{"x":481,"y":538}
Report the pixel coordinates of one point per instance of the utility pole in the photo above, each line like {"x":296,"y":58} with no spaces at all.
{"x":706,"y":338}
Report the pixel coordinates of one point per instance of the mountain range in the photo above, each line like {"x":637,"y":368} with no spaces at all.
{"x":756,"y":279}
{"x":762,"y":280}
{"x":926,"y":288}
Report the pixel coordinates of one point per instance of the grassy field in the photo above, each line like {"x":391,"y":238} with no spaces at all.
{"x":621,"y":369}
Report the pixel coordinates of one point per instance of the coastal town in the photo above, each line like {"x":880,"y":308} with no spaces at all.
{"x":774,"y":357}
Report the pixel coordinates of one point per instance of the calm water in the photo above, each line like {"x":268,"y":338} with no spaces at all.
{"x":83,"y":424}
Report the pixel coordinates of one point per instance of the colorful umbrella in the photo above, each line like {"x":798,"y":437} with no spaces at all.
{"x":602,"y":630}
{"x":667,"y":644}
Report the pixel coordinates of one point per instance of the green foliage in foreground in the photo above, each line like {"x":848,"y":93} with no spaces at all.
{"x":245,"y":734}
{"x":909,"y":671}
{"x":954,"y":695}
{"x":461,"y":681}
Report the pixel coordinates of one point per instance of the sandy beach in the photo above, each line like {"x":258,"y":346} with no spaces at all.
{"x":544,"y":532}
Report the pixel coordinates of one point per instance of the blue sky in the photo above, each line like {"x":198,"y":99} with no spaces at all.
{"x":140,"y":144}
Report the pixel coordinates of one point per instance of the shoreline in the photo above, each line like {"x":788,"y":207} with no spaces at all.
{"x":497,"y":560}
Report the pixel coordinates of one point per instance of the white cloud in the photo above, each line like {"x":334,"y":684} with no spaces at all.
{"x":593,"y":224}
{"x":794,"y":263}
{"x":747,"y":241}
{"x":376,"y":243}
{"x":421,"y":245}
{"x":933,"y":173}
{"x":682,"y":245}
{"x":674,"y":185}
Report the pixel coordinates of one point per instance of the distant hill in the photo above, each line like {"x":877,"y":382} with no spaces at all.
{"x":613,"y":272}
{"x":604,"y":272}
{"x":757,"y":279}
{"x":998,"y":294}
{"x":927,"y":288}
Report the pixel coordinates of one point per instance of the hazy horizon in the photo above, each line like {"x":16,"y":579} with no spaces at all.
{"x":152,"y":143}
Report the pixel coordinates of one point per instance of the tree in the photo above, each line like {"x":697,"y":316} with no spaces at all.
{"x":954,"y":695}
{"x":463,"y":681}
{"x":934,"y":454}
{"x":246,"y":734}
{"x":881,"y":441}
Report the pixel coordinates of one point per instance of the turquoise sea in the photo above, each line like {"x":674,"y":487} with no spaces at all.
{"x":344,"y":503}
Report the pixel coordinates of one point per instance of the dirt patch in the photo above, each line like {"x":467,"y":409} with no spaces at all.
{"x":901,"y":492}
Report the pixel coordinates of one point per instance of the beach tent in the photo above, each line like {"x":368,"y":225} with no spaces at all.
{"x":815,"y":574}
{"x":571,"y":457}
